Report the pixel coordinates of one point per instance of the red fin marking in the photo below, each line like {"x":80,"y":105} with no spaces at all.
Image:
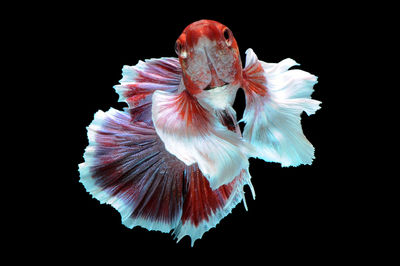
{"x":137,"y":100}
{"x":195,"y":135}
{"x":149,"y":76}
{"x":273,"y":115}
{"x":166,"y":67}
{"x":254,"y":79}
{"x":165,"y":71}
{"x":197,"y":116}
{"x":140,"y":81}
{"x":188,"y":112}
{"x":228,"y":119}
{"x":128,"y":167}
{"x":203,"y":207}
{"x":201,"y":202}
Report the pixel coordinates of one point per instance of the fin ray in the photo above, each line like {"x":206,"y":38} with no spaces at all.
{"x":139,"y":82}
{"x":125,"y":166}
{"x":204,"y":208}
{"x":275,"y":99}
{"x":194,"y":135}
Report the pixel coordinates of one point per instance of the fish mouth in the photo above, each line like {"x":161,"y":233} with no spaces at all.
{"x":216,"y":82}
{"x":211,"y":88}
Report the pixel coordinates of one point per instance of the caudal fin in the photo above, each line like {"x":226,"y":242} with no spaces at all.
{"x":126,"y":165}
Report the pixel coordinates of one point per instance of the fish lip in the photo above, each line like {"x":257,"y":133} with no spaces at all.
{"x":211,"y":88}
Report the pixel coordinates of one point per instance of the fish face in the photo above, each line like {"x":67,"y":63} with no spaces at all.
{"x":209,"y":56}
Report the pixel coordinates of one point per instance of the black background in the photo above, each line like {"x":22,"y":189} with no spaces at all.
{"x":298,"y":212}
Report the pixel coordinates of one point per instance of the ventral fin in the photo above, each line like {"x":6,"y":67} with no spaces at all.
{"x":194,"y":135}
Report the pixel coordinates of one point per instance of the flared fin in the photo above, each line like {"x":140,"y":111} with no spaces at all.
{"x":139,"y":82}
{"x":275,"y":99}
{"x":127,"y":167}
{"x":203,"y":207}
{"x":194,"y":135}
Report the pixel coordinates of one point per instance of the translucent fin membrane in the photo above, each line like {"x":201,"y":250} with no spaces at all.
{"x":204,"y":208}
{"x":275,"y":99}
{"x":126,"y":165}
{"x":194,"y":135}
{"x":139,"y":82}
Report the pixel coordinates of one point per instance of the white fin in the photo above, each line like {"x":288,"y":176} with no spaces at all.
{"x":273,"y":120}
{"x":194,"y":135}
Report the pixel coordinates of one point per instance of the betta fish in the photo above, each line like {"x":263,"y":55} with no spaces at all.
{"x":175,"y":159}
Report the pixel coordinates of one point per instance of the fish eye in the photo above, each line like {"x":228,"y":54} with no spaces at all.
{"x":226,"y":33}
{"x":227,"y":36}
{"x":178,"y":47}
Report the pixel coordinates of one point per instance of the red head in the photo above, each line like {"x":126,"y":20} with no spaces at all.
{"x":209,"y":56}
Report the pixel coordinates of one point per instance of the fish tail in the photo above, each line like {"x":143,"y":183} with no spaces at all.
{"x":127,"y":166}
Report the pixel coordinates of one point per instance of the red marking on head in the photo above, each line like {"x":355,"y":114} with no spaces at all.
{"x":209,"y":56}
{"x":210,"y":29}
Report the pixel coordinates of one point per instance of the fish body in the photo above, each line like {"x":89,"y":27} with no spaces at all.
{"x":175,"y":159}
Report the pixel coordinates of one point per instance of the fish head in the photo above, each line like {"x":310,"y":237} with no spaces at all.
{"x":208,"y":55}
